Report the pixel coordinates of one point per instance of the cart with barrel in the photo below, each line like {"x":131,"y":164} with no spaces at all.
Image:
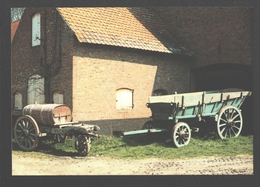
{"x":53,"y":120}
{"x":173,"y":113}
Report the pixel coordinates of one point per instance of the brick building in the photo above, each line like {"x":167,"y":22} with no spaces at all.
{"x":105,"y":62}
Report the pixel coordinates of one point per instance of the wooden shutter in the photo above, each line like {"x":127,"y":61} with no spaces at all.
{"x":124,"y":99}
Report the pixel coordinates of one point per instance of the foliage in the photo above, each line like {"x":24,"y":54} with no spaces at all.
{"x":16,"y":13}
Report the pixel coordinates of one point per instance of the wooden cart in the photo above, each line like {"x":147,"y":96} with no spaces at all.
{"x":53,"y":120}
{"x":172,"y":113}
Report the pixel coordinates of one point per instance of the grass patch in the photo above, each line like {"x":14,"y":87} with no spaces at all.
{"x":138,"y":147}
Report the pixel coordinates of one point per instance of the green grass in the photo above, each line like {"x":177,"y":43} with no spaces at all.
{"x":139,"y":147}
{"x":159,"y":147}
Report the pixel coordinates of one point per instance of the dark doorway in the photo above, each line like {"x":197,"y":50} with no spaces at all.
{"x":222,"y":76}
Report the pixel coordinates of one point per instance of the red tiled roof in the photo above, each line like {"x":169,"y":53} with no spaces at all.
{"x":136,"y":28}
{"x":14,"y":26}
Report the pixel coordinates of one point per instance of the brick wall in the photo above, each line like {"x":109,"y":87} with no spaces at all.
{"x":25,"y":58}
{"x":57,"y":43}
{"x":99,"y":72}
{"x":214,"y":34}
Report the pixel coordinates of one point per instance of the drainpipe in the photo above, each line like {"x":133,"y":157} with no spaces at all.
{"x":46,"y":66}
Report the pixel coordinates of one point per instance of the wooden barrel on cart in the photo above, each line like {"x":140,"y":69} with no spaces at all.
{"x":48,"y":114}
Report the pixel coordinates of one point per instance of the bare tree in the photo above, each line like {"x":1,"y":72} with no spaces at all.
{"x":53,"y":65}
{"x":16,"y":13}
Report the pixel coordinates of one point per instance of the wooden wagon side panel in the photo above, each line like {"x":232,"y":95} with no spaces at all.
{"x":190,"y":105}
{"x":189,"y":99}
{"x":162,"y":99}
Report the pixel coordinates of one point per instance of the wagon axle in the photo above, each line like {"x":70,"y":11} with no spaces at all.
{"x":230,"y":123}
{"x":183,"y":135}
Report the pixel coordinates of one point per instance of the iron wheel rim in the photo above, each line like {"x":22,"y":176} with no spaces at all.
{"x":83,"y":145}
{"x":26,"y":133}
{"x":230,"y":122}
{"x":181,"y":134}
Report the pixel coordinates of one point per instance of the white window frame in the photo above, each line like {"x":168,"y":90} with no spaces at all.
{"x":36,"y":29}
{"x":124,"y":99}
{"x":35,"y":92}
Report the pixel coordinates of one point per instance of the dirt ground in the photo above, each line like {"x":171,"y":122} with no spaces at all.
{"x":54,"y":165}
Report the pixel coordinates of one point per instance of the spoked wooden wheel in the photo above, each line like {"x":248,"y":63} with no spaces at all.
{"x":148,"y":125}
{"x":26,"y":133}
{"x":181,"y":134}
{"x":229,"y":122}
{"x":83,"y":145}
{"x":148,"y":136}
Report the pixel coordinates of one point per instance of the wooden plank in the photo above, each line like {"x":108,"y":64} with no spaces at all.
{"x":164,"y":98}
{"x":189,"y":99}
{"x":212,"y":98}
{"x":194,"y":98}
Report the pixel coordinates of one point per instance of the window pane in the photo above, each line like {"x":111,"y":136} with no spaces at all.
{"x":18,"y":101}
{"x":58,"y":98}
{"x":36,"y":30}
{"x":35,"y":89}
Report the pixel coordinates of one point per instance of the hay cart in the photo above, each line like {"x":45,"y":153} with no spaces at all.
{"x":53,"y":120}
{"x":173,"y":113}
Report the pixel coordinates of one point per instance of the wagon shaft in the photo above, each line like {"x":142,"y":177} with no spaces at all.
{"x":73,"y":129}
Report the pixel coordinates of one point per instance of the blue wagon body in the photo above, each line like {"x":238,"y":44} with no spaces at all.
{"x":170,"y":112}
{"x":193,"y":105}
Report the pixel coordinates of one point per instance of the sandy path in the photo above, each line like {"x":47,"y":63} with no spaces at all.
{"x":239,"y":165}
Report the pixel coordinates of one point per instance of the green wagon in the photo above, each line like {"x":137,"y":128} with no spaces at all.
{"x":173,"y":113}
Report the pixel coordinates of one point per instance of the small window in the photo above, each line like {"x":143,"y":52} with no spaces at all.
{"x":124,"y":98}
{"x":57,"y":97}
{"x":159,"y":92}
{"x":18,"y":101}
{"x":36,"y":30}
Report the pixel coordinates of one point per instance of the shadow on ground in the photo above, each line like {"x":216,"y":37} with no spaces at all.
{"x":48,"y":148}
